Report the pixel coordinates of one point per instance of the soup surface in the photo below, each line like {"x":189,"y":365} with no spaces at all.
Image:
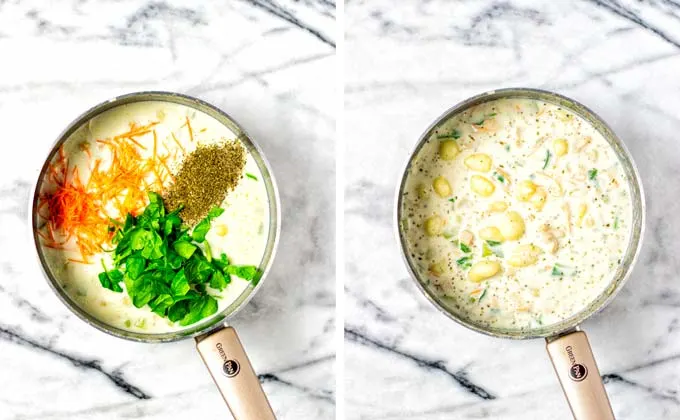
{"x":516,"y":213}
{"x":240,"y":231}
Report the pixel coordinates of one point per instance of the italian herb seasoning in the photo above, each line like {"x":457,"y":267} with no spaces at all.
{"x":205,"y":178}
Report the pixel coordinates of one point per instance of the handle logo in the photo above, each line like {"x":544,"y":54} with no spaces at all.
{"x":230,"y":367}
{"x":577,"y":371}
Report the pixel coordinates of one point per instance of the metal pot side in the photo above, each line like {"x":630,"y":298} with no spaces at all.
{"x":636,"y":191}
{"x":210,"y":323}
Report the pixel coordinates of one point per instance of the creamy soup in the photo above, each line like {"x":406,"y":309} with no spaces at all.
{"x":240,"y":232}
{"x":516,"y":213}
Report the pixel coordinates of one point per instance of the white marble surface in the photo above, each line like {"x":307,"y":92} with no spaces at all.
{"x":405,"y":65}
{"x":272,"y":69}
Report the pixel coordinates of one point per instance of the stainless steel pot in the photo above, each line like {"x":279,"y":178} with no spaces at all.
{"x":567,"y":346}
{"x":217,"y":343}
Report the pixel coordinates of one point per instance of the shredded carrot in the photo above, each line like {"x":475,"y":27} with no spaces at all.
{"x":178,"y":143}
{"x":85,"y":147}
{"x":137,"y":131}
{"x":50,"y":230}
{"x":191,"y":132}
{"x":44,"y":236}
{"x":80,"y":209}
{"x":53,"y":245}
{"x":155,"y":141}
{"x":165,"y":165}
{"x":135,"y":142}
{"x":476,"y":291}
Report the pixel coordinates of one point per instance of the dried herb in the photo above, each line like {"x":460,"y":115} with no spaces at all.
{"x":205,"y":178}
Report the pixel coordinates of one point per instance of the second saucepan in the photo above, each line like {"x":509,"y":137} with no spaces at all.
{"x":520,"y":214}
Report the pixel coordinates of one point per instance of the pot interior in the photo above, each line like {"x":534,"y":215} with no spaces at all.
{"x":74,"y":135}
{"x":631,"y":250}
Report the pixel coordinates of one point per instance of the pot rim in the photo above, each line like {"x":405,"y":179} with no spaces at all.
{"x":637,"y":195}
{"x":215,"y":321}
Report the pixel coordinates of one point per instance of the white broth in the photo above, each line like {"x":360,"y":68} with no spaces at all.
{"x":516,"y":213}
{"x":240,"y":232}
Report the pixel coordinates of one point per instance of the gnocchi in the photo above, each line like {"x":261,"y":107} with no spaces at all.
{"x":528,"y":204}
{"x":480,"y":162}
{"x":512,"y":226}
{"x":483,"y":270}
{"x":481,"y":185}
{"x":448,"y":150}
{"x":441,"y":186}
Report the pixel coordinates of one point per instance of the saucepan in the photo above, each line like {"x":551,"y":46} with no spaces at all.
{"x":567,"y":346}
{"x":217,"y":343}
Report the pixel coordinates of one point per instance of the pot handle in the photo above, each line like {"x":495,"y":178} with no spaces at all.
{"x":577,"y":371}
{"x":226,"y":360}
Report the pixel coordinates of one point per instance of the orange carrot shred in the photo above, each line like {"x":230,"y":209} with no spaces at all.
{"x":178,"y":143}
{"x":155,"y":140}
{"x":43,"y":235}
{"x":135,"y":142}
{"x":78,"y":208}
{"x":191,"y":132}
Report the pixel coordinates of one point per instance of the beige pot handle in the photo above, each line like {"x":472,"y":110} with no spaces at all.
{"x":223,"y":354}
{"x":577,"y":371}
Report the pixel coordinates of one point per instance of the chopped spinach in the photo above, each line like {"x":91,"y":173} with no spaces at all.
{"x":560,"y":270}
{"x":454,"y":134}
{"x":464,"y":262}
{"x":546,"y":161}
{"x":484,"y":118}
{"x":163,"y":266}
{"x":492,"y":248}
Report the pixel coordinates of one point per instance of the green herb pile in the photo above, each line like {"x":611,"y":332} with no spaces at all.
{"x":167,"y":267}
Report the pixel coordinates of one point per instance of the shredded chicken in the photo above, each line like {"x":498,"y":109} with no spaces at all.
{"x":585,"y":141}
{"x":567,"y":213}
{"x":467,"y":238}
{"x":550,"y":238}
{"x":519,"y":140}
{"x":539,"y":144}
{"x":555,"y":189}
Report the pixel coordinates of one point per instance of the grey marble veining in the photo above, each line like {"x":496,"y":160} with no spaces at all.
{"x":409,"y":61}
{"x":268,"y":64}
